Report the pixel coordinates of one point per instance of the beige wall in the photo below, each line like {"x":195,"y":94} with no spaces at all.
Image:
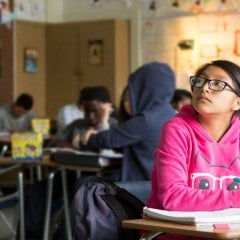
{"x":6,"y":61}
{"x":30,"y":35}
{"x":68,"y":68}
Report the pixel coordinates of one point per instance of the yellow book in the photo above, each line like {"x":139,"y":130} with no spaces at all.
{"x":26,"y":146}
{"x":41,"y":125}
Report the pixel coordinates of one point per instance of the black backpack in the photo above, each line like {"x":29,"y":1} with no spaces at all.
{"x":99,"y":208}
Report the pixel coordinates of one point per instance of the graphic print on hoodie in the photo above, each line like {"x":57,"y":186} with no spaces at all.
{"x":208,"y":181}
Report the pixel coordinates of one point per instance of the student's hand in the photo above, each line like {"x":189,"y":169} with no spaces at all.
{"x":75,"y":141}
{"x":84,"y":137}
{"x":106,"y":110}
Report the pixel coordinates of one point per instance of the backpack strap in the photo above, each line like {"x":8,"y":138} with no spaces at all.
{"x":123,"y":194}
{"x":115,"y":206}
{"x":120,"y":215}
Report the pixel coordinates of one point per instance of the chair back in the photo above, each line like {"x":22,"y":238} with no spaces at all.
{"x":140,"y":189}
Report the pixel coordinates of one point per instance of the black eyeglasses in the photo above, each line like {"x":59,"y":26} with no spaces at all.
{"x":215,"y":85}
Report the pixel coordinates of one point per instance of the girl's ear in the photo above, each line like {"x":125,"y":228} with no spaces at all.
{"x":236,"y":104}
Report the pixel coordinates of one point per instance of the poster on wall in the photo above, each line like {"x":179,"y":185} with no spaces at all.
{"x":95,"y":52}
{"x":30,"y":60}
{"x":30,"y":9}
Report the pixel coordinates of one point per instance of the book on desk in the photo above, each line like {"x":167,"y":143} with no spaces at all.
{"x":198,"y":218}
{"x":70,"y":156}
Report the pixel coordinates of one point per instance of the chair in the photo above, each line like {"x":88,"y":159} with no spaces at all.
{"x":7,"y":201}
{"x":11,"y":176}
{"x":140,"y":189}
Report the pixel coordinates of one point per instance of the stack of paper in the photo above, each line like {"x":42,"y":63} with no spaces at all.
{"x":230,"y":215}
{"x":103,"y":153}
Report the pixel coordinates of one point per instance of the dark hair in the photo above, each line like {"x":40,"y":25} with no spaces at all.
{"x":95,"y":93}
{"x":25,"y":101}
{"x":82,"y":95}
{"x":122,"y":114}
{"x":230,"y":68}
{"x":179,"y":95}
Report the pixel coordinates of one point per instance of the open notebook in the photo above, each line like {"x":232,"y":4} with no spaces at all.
{"x":230,"y":215}
{"x":70,"y":156}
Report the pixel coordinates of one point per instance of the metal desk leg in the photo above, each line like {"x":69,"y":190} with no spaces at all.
{"x":66,"y":205}
{"x":21,"y":204}
{"x":149,"y":236}
{"x":39,"y":173}
{"x":48,"y":206}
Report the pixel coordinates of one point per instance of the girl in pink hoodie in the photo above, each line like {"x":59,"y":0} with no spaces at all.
{"x":198,"y":155}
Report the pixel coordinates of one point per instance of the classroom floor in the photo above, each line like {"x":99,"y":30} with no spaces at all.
{"x":12,"y":216}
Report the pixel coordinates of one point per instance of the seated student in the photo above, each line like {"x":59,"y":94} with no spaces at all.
{"x":198,"y":153}
{"x":150,"y":88}
{"x":95,"y":98}
{"x":71,"y":112}
{"x":180,"y":98}
{"x":16,"y":117}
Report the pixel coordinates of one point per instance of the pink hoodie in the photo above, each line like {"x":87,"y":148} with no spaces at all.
{"x":193,"y":172}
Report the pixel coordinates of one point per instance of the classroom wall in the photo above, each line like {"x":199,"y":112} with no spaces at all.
{"x":71,"y":66}
{"x":141,"y":13}
{"x":156,"y":29}
{"x":6,"y":64}
{"x":60,"y":64}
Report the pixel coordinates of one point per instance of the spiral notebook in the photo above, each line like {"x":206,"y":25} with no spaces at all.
{"x":229,"y":215}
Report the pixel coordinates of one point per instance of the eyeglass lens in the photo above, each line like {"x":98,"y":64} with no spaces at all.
{"x":215,"y":85}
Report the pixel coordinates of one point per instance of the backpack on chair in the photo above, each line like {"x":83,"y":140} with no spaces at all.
{"x":99,"y":208}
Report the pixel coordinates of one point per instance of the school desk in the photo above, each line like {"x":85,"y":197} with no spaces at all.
{"x":156,"y":227}
{"x":46,"y":161}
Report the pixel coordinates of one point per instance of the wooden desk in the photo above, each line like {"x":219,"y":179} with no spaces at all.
{"x":46,"y":161}
{"x":156,"y":227}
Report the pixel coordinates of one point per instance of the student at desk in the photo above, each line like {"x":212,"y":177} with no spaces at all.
{"x":96,"y":98}
{"x":197,"y":160}
{"x":150,"y":89}
{"x":70,"y":112}
{"x":17,"y":116}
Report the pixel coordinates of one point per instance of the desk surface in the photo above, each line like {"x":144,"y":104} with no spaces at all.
{"x":181,"y":229}
{"x":46,"y":161}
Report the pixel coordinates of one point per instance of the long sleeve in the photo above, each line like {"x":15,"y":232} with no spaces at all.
{"x":69,"y":132}
{"x":138,"y":137}
{"x":128,"y":133}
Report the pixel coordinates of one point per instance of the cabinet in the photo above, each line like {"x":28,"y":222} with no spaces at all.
{"x":85,"y":54}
